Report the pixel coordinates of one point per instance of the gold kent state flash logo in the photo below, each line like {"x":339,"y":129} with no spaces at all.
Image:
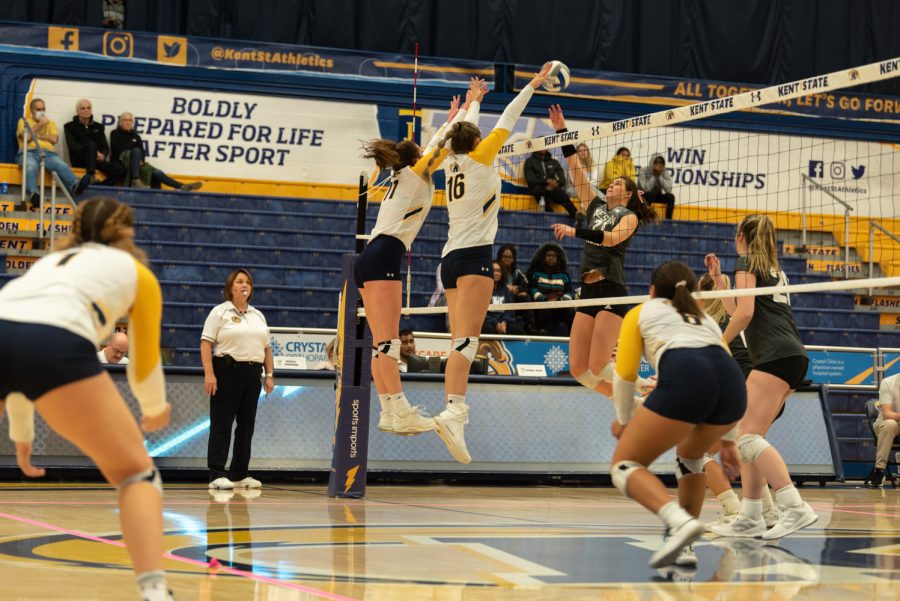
{"x":236,"y":319}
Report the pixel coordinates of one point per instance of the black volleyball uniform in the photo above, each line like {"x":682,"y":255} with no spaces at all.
{"x":609,"y":261}
{"x":772,"y":337}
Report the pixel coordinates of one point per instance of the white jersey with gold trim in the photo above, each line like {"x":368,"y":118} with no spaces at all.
{"x":84,"y":290}
{"x":404,"y":207}
{"x":663,"y":328}
{"x":473,"y":202}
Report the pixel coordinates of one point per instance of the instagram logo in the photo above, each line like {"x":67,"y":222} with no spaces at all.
{"x":116,"y":43}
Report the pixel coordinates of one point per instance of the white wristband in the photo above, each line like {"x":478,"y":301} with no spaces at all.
{"x":268,"y":375}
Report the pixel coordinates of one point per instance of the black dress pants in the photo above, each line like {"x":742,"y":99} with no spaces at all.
{"x":88,"y":161}
{"x":666,"y":198}
{"x":236,"y":399}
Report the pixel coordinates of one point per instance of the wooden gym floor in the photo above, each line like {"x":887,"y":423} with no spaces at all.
{"x":436,"y":543}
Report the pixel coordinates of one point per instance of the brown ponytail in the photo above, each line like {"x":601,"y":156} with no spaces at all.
{"x":103,"y":220}
{"x":675,"y":281}
{"x":391,"y":155}
{"x":762,"y":251}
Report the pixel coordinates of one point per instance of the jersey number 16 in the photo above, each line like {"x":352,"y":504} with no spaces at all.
{"x":456,"y":187}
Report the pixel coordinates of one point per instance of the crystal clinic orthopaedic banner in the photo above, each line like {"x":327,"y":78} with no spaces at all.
{"x":215,"y":134}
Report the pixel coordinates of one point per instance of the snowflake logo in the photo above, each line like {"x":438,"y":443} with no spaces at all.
{"x":556,"y":359}
{"x":277,"y":350}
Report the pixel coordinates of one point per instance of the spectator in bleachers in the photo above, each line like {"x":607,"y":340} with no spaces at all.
{"x":128,"y":149}
{"x":236,"y":351}
{"x":549,"y":281}
{"x":887,"y":426}
{"x":115,"y":350}
{"x":502,"y":322}
{"x":47,"y":137}
{"x":113,"y":14}
{"x":88,"y":148}
{"x":515,"y":280}
{"x":656,"y":183}
{"x":591,"y":168}
{"x":547,"y":182}
{"x":620,"y":165}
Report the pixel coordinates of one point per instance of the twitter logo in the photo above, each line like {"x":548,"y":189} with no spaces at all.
{"x":171,"y":50}
{"x":857,"y":171}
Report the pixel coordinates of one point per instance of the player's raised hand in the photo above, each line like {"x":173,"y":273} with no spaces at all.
{"x":556,"y":117}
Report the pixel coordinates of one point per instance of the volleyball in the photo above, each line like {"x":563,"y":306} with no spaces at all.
{"x":559,"y":77}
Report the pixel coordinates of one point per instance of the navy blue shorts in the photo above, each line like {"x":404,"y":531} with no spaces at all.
{"x":476,"y":260}
{"x":381,"y":259}
{"x":603,"y":290}
{"x":35,"y":359}
{"x":789,"y":369}
{"x":700,"y":386}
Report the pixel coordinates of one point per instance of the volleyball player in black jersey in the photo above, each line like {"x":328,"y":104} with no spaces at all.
{"x":607,"y":233}
{"x":779,"y":366}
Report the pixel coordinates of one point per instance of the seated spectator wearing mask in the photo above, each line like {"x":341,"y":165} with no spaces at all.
{"x":128,"y":149}
{"x":115,"y":350}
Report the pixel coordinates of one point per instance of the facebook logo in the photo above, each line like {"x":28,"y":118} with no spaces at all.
{"x":816,"y":169}
{"x":67,"y":41}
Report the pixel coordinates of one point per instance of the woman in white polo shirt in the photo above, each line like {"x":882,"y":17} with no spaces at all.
{"x":234,"y":349}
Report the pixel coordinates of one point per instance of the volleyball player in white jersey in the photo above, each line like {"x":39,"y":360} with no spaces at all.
{"x":378,"y":270}
{"x":699,"y":397}
{"x":51,"y":321}
{"x":607,"y":234}
{"x":473,"y":201}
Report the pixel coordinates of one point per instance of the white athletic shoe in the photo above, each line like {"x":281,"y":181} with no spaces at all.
{"x":771,"y":516}
{"x":412,"y":421}
{"x":222,"y":483}
{"x":449,"y":425}
{"x":386,"y":421}
{"x":679,"y":574}
{"x":725,"y":518}
{"x":675,"y":541}
{"x":792,"y":519}
{"x":687,"y":558}
{"x":248,"y":482}
{"x":740,"y":526}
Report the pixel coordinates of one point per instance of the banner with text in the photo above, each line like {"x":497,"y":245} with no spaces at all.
{"x":627,"y":87}
{"x":184,"y":51}
{"x":214,"y":134}
{"x":727,"y":169}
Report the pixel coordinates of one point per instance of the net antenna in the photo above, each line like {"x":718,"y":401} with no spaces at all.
{"x":409,"y":252}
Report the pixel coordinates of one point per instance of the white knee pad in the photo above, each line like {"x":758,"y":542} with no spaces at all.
{"x":686,"y":467}
{"x":149,"y":475}
{"x":587,"y":379}
{"x":21,"y":417}
{"x":621,"y":472}
{"x":391,"y":348}
{"x":708,"y":458}
{"x":466,"y":346}
{"x":751,"y":446}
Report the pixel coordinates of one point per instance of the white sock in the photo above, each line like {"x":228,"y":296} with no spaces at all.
{"x":398,"y":402}
{"x":457,"y":403}
{"x":673,"y":515}
{"x":752,"y":508}
{"x":151,"y":580}
{"x":730,"y":502}
{"x":385,"y":403}
{"x":768,"y":503}
{"x":788,"y":496}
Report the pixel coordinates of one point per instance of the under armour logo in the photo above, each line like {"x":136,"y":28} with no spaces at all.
{"x":390,"y":275}
{"x":485,"y":269}
{"x":755,"y":96}
{"x":607,"y":308}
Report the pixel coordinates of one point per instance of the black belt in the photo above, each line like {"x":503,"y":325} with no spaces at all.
{"x":232,"y":362}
